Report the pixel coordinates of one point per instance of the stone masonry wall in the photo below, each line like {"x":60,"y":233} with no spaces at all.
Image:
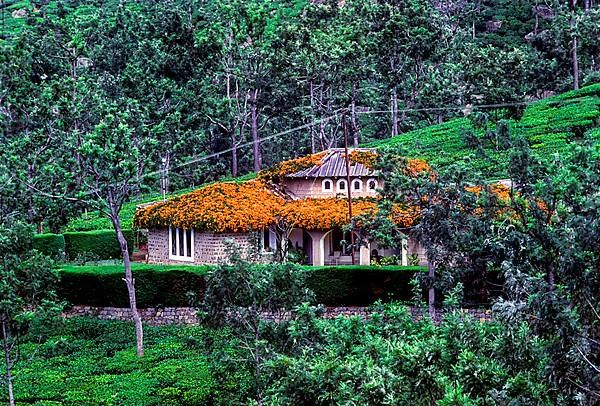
{"x":158,"y":246}
{"x":209,"y":248}
{"x":187,"y":315}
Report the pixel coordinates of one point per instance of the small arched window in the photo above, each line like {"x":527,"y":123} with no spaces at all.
{"x":357,"y":185}
{"x":372,"y":185}
{"x":341,"y":186}
{"x":327,"y":185}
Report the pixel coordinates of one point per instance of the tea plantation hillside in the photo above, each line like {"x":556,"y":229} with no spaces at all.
{"x":551,"y":126}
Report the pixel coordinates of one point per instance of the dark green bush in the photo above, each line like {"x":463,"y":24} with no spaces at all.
{"x":52,"y":245}
{"x":170,"y":285}
{"x":154,"y":288}
{"x":361,"y":286}
{"x":102,"y":244}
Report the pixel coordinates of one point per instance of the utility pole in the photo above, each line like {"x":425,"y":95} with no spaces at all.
{"x":348,"y":181}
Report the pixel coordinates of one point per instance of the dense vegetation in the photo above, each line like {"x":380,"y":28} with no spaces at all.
{"x":182,"y":81}
{"x":93,"y":362}
{"x":107,"y":104}
{"x":177,"y":285}
{"x":551,"y":126}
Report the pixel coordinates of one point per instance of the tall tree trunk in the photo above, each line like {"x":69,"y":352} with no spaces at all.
{"x":130,"y":282}
{"x":254,"y":127}
{"x":234,"y":157}
{"x":354,"y":125}
{"x":9,"y":377}
{"x":394,"y":111}
{"x":166,"y":183}
{"x":431,"y":298}
{"x":574,"y":59}
{"x":313,"y":146}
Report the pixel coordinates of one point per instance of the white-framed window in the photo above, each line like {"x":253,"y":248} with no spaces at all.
{"x":342,"y":186}
{"x":269,"y":240}
{"x":357,"y":185}
{"x":327,"y":186}
{"x":181,"y":244}
{"x":372,"y":185}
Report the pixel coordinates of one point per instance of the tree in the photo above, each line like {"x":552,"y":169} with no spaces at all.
{"x":27,"y":293}
{"x":239,"y":295}
{"x":114,"y":153}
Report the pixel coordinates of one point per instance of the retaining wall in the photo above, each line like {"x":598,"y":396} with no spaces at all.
{"x":187,"y":315}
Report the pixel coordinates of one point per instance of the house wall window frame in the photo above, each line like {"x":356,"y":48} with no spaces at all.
{"x":359,"y":183}
{"x":372,"y":185}
{"x":338,"y":187}
{"x":181,"y":244}
{"x":327,"y":186}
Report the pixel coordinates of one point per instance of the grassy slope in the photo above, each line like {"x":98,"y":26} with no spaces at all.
{"x":551,"y":125}
{"x":93,"y":362}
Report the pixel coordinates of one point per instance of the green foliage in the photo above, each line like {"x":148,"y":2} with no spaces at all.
{"x":92,"y":362}
{"x":360,"y":286}
{"x":156,"y":285}
{"x":27,"y":296}
{"x":389,"y":359}
{"x":101,"y":244}
{"x":51,"y":245}
{"x":551,"y":126}
{"x":175,"y":285}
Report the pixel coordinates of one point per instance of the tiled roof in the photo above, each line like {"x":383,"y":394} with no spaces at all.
{"x":333,"y":165}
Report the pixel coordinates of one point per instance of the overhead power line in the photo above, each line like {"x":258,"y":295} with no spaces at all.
{"x":335,"y":115}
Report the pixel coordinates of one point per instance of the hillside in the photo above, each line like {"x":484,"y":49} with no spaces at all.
{"x":551,"y":126}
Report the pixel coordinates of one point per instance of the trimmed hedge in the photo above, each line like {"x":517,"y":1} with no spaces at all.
{"x":155,"y":285}
{"x":361,"y":285}
{"x":100,"y":243}
{"x":52,"y":245}
{"x":158,"y":285}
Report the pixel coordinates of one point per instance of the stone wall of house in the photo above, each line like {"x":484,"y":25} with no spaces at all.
{"x":212,"y":248}
{"x":188,"y":315}
{"x":158,"y":246}
{"x":312,"y":187}
{"x":209,"y":248}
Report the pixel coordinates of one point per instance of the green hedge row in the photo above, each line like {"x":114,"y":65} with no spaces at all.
{"x":52,"y":245}
{"x":171,"y":285}
{"x":99,"y":243}
{"x":361,"y":286}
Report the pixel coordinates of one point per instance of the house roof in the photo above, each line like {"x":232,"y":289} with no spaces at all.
{"x":333,"y":164}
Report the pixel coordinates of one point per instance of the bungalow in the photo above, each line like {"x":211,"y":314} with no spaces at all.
{"x":299,"y":205}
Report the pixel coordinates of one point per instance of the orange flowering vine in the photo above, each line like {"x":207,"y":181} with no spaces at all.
{"x":366,"y":158}
{"x":222,"y":207}
{"x":254,"y":205}
{"x":416,"y":166}
{"x":276,"y":173}
{"x":323,"y":214}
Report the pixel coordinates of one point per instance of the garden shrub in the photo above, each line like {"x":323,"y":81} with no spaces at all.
{"x":51,"y":245}
{"x":361,"y":286}
{"x":160,"y":285}
{"x":101,"y":243}
{"x":154,"y":287}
